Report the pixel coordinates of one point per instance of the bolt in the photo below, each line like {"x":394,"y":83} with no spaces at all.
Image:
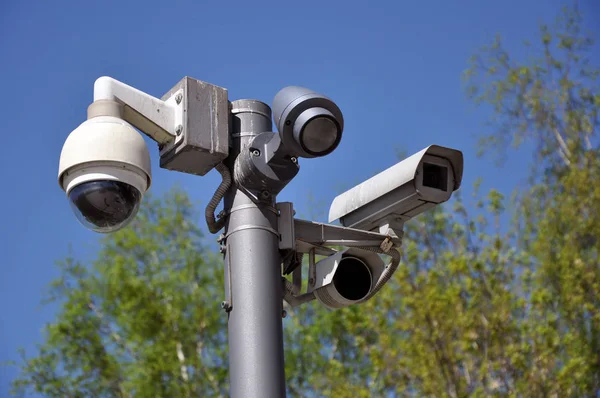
{"x":294,"y":159}
{"x":178,"y":98}
{"x":179,"y":129}
{"x":226,"y":306}
{"x":265,"y":194}
{"x":283,"y":313}
{"x":255,"y":152}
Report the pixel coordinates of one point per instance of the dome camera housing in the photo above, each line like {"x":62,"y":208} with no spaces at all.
{"x":105,"y":170}
{"x":310,"y":124}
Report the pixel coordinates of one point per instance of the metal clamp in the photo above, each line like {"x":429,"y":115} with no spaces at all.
{"x":248,"y":134}
{"x":252,"y":206}
{"x":247,"y":227}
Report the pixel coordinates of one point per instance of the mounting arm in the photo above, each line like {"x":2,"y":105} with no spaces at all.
{"x":158,"y":119}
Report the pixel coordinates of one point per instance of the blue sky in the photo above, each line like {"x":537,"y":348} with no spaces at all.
{"x":393,"y":67}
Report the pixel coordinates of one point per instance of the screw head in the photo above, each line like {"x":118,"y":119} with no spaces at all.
{"x":255,"y":153}
{"x":294,"y":159}
{"x":178,"y":98}
{"x":179,"y":129}
{"x":265,"y":194}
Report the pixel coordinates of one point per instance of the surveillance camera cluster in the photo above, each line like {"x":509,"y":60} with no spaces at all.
{"x":105,"y":171}
{"x":383,"y":204}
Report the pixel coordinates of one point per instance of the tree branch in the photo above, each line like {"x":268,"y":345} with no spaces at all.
{"x":213,"y":382}
{"x":181,"y":357}
{"x":563,"y":150}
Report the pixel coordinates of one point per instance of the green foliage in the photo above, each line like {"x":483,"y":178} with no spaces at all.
{"x":142,"y":320}
{"x":550,"y":99}
{"x":475,"y":308}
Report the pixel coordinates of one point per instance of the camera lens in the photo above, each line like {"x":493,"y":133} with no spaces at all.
{"x":435,"y":176}
{"x":319,"y":135}
{"x":105,"y":206}
{"x":353,"y":279}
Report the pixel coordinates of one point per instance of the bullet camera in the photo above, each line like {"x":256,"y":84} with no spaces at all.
{"x":310,"y":124}
{"x":104,"y":170}
{"x":401,"y":192}
{"x":347,"y":277}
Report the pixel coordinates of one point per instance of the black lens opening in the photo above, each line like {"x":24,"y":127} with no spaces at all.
{"x":335,"y":144}
{"x":103,"y":205}
{"x":435,"y":176}
{"x":352,"y":279}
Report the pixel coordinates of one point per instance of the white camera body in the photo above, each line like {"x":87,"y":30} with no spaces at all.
{"x":401,"y":192}
{"x":105,"y":148}
{"x":105,"y":171}
{"x":346,"y":277}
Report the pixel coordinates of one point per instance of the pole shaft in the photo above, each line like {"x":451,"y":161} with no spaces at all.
{"x":253,"y":275}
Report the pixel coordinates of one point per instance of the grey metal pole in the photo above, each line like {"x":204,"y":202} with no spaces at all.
{"x":253,"y":286}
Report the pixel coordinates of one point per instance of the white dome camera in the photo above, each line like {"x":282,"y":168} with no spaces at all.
{"x":105,"y":171}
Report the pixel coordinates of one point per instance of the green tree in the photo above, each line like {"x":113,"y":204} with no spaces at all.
{"x":142,"y":320}
{"x":552,"y":101}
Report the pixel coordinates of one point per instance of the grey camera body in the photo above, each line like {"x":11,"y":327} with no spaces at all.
{"x":401,"y":192}
{"x":347,"y":277}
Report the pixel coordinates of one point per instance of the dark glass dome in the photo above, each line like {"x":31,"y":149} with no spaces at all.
{"x":105,"y":206}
